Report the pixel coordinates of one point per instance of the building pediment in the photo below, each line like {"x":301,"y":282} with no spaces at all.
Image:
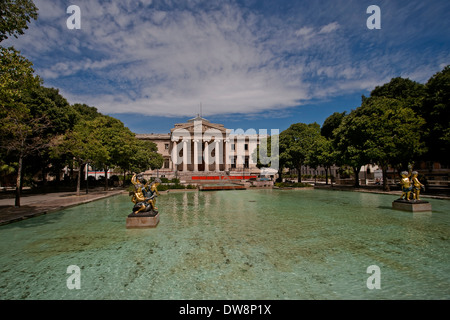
{"x":195,"y":126}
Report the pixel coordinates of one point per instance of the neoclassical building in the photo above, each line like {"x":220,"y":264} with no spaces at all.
{"x":199,"y":148}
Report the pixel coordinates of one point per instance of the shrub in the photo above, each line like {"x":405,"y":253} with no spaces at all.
{"x":163,"y":187}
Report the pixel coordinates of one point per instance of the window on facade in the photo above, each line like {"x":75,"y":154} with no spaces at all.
{"x":233,"y":147}
{"x":246,"y":146}
{"x":166,"y":146}
{"x":233,"y":164}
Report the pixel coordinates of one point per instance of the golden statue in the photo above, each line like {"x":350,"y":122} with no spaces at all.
{"x":406,"y":185}
{"x":144,"y":198}
{"x":416,"y":185}
{"x":154,"y":192}
{"x":411,"y":184}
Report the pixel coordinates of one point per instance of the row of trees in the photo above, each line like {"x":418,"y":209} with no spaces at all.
{"x":41,"y":131}
{"x":401,"y":123}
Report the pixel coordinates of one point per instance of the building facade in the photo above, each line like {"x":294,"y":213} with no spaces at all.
{"x":200,"y":148}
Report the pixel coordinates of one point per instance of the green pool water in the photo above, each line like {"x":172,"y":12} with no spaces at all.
{"x":254,"y":244}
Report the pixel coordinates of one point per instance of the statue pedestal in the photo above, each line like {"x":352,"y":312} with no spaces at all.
{"x":142,"y":220}
{"x":411,"y":206}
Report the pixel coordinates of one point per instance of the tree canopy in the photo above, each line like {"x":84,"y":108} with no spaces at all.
{"x":436,"y":112}
{"x":332,"y":123}
{"x":20,"y":131}
{"x":15,"y":16}
{"x":382,"y":131}
{"x":297,"y":145}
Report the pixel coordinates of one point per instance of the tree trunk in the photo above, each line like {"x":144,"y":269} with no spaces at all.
{"x":299,"y":174}
{"x":106,"y":178}
{"x":385,"y":184}
{"x":79,"y":178}
{"x":356,"y":172}
{"x":19,"y":182}
{"x":280,"y":175}
{"x":326,"y":175}
{"x":58,"y":175}
{"x":86,"y":174}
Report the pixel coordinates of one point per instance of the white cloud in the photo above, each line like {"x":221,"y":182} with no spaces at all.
{"x":329,"y":28}
{"x":182,"y":58}
{"x":166,"y":57}
{"x":304,"y":32}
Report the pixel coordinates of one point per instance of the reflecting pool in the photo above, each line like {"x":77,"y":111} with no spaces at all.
{"x":254,"y":244}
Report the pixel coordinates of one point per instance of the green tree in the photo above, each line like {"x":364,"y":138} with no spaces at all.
{"x":349,"y":143}
{"x":117,"y":139}
{"x":86,"y":112}
{"x":396,"y":134}
{"x":328,"y":154}
{"x":264,"y":157}
{"x":48,"y":104}
{"x":383,"y":131}
{"x":331,"y":123}
{"x":21,"y":134}
{"x":408,"y":91}
{"x":16,"y":75}
{"x":140,"y":156}
{"x":145,"y":156}
{"x":436,"y":112}
{"x":297,"y":144}
{"x":15,"y":16}
{"x":322,"y":155}
{"x":82,"y":144}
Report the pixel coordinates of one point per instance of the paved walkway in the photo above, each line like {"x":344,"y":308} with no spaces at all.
{"x":39,"y":204}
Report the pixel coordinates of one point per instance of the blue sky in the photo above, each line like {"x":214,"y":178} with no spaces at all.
{"x":261,"y":64}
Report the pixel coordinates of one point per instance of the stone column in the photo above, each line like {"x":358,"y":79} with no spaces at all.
{"x":206,"y":156}
{"x":185,"y":155}
{"x":196,"y":145}
{"x":174,"y":156}
{"x":227,"y":154}
{"x":240,"y":152}
{"x":217,"y":155}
